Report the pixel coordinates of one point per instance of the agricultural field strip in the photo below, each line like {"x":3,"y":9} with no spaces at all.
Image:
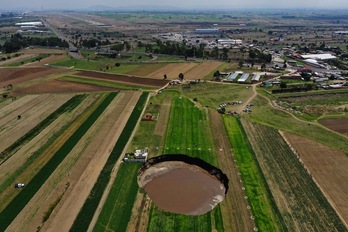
{"x":117,"y":209}
{"x":16,"y":59}
{"x":163,"y":117}
{"x":234,"y":210}
{"x":18,"y":203}
{"x":41,"y":156}
{"x":172,"y":70}
{"x":122,"y":78}
{"x":85,"y":179}
{"x":192,"y":137}
{"x":328,"y":168}
{"x":8,"y":107}
{"x":31,"y":114}
{"x":105,"y":83}
{"x":259,"y":197}
{"x":24,"y":154}
{"x":86,"y":213}
{"x":202,"y":70}
{"x":303,"y":206}
{"x":83,"y":164}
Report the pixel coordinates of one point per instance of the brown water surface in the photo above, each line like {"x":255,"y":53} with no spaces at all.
{"x":184,"y":189}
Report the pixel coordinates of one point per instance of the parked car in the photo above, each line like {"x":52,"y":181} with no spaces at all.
{"x":19,"y":185}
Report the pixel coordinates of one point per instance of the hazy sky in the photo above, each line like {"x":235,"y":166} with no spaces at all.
{"x":215,"y":4}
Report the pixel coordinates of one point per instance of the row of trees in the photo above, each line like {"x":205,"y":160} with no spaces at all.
{"x":17,"y":42}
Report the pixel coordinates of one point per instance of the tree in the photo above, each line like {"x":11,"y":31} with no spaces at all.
{"x":263,"y":66}
{"x":283,"y":85}
{"x":240,"y":64}
{"x":164,"y":76}
{"x":181,"y":76}
{"x":117,"y":64}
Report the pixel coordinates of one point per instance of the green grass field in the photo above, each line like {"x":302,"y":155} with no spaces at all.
{"x":187,"y":133}
{"x":264,"y":114}
{"x":255,"y":186}
{"x":212,"y":94}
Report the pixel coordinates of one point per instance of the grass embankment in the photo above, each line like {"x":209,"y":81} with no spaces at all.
{"x":302,"y":204}
{"x":259,"y":197}
{"x":87,"y":211}
{"x":107,"y":65}
{"x":66,"y":107}
{"x":103,"y":83}
{"x":29,"y":60}
{"x":187,"y":133}
{"x":117,"y":209}
{"x":18,"y":203}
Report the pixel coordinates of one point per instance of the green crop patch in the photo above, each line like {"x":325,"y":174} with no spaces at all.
{"x":85,"y":215}
{"x":256,"y":188}
{"x":19,"y":202}
{"x":117,"y":209}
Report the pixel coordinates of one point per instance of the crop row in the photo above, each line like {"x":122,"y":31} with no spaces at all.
{"x":18,"y":203}
{"x":188,"y":132}
{"x":117,"y":209}
{"x":66,"y":107}
{"x":305,"y":206}
{"x":88,"y":209}
{"x":254,"y":183}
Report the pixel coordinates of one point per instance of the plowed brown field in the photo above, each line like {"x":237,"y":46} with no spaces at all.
{"x":339,"y":125}
{"x":18,"y":75}
{"x":59,"y":86}
{"x":328,"y":167}
{"x":124,"y":79}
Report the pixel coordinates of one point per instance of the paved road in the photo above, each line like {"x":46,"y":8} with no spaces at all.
{"x":60,"y":35}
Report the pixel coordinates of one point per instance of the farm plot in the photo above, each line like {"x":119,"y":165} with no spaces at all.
{"x":172,"y":70}
{"x":9,"y":213}
{"x":236,"y":216}
{"x":188,"y":133}
{"x":202,"y":70}
{"x":117,"y":209}
{"x":31,"y":113}
{"x":256,"y":189}
{"x":301,"y":203}
{"x":145,"y":69}
{"x":84,"y":163}
{"x":83,"y":219}
{"x":124,"y":79}
{"x":14,"y":75}
{"x":339,"y":125}
{"x":328,"y":167}
{"x":12,"y":161}
{"x":60,"y":86}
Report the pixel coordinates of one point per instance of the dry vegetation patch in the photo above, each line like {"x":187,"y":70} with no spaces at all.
{"x":202,"y":70}
{"x":172,"y":70}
